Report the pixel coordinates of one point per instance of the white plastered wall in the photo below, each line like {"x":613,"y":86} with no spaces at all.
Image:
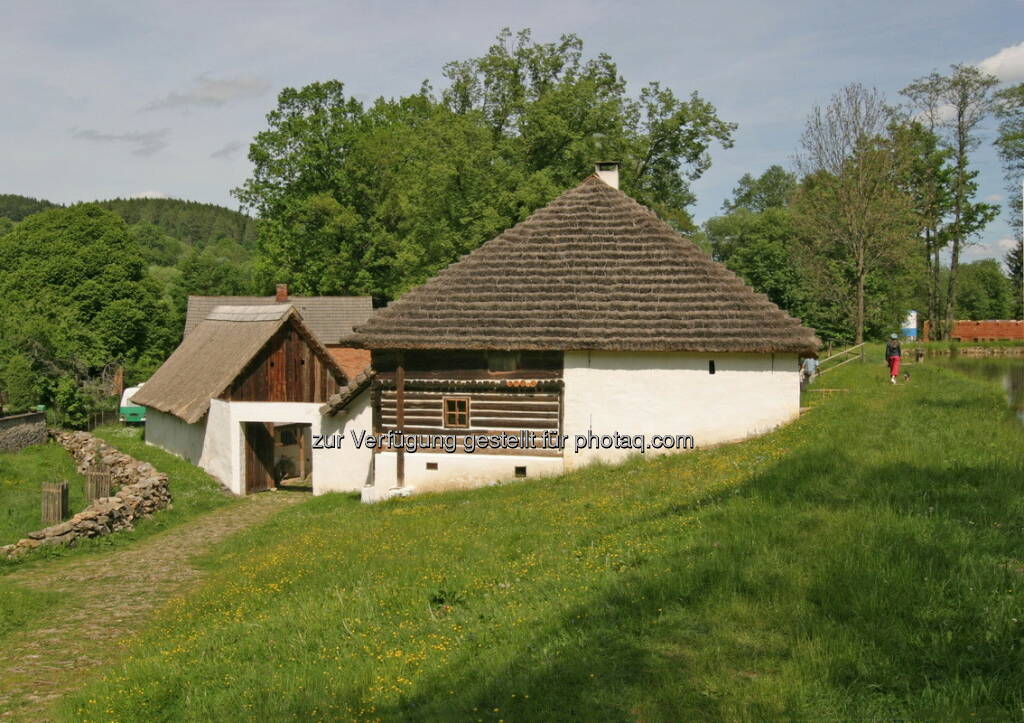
{"x":672,"y":393}
{"x":174,"y":435}
{"x":454,"y":471}
{"x":215,"y":443}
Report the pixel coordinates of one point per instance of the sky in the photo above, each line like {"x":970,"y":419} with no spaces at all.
{"x":162,"y":98}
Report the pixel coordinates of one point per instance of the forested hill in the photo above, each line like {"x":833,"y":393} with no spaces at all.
{"x":15,"y":207}
{"x":194,"y":223}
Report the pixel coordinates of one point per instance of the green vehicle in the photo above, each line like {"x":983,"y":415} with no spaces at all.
{"x":130,"y":412}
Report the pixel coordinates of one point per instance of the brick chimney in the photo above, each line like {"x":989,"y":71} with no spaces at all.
{"x":282,"y":292}
{"x":608,"y":171}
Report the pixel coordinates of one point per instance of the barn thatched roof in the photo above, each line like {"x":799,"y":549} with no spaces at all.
{"x":328,"y":317}
{"x":209,"y":359}
{"x":592,"y":270}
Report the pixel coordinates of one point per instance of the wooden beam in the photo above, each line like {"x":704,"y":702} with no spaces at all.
{"x":400,"y":415}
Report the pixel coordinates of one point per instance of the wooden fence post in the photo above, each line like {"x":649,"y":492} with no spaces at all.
{"x":55,"y":502}
{"x":97,"y":483}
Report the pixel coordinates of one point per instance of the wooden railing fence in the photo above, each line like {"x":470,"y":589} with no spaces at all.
{"x":853,"y":353}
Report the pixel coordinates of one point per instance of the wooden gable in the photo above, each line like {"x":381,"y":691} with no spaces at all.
{"x":289,"y":368}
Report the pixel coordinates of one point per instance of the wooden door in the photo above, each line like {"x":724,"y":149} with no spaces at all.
{"x":259,"y":456}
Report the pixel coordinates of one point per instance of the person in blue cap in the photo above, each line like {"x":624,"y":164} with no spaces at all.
{"x":892,"y":356}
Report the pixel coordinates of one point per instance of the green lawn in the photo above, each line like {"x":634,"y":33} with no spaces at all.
{"x":193,"y":492}
{"x":21,"y":477}
{"x":862,"y":563}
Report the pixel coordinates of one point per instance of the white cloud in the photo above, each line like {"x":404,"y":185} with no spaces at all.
{"x":228,"y":150}
{"x":1007,"y":64}
{"x":212,"y":92}
{"x":146,"y":142}
{"x":1005,"y":244}
{"x":150,"y":194}
{"x":995,"y":198}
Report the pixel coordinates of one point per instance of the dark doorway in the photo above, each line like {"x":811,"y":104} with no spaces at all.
{"x":293,"y":456}
{"x":259,"y":456}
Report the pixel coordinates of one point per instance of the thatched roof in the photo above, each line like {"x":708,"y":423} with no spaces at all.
{"x":328,"y":317}
{"x":592,"y":270}
{"x":208,"y":360}
{"x":345,"y":395}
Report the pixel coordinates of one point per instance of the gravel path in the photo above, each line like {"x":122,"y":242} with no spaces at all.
{"x":109,"y":597}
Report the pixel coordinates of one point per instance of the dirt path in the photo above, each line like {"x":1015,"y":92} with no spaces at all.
{"x":110,"y":597}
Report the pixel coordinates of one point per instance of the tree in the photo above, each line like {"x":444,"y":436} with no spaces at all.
{"x":374,"y":200}
{"x":74,"y":297}
{"x":1010,"y":145}
{"x":772,"y":189}
{"x":856,"y":220}
{"x":955,"y":105}
{"x":928,"y":178}
{"x":985,"y":291}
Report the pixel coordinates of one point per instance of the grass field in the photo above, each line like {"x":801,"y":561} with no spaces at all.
{"x":193,"y":491}
{"x":21,"y":477}
{"x":864,"y":562}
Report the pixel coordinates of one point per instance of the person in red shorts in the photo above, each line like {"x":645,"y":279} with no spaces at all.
{"x":892,"y":356}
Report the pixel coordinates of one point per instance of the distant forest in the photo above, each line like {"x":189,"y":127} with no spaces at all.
{"x":58,"y":340}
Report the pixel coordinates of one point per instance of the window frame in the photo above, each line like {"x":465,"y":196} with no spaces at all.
{"x":445,"y":412}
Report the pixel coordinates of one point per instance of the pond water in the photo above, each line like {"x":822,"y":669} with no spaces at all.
{"x":1008,"y":372}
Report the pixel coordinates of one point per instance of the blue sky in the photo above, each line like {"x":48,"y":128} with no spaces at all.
{"x":108,"y":99}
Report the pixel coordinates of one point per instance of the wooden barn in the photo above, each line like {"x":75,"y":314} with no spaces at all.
{"x":591,"y":320}
{"x":241,"y":398}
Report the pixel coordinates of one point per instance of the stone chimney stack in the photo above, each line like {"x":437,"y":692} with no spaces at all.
{"x":282,"y":293}
{"x":608,"y":171}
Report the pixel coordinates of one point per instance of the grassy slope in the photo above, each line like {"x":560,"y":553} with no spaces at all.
{"x":863,"y":562}
{"x":21,"y":476}
{"x":193,"y":491}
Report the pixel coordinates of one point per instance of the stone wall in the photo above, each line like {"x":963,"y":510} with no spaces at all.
{"x":142,"y":492}
{"x":22,"y":430}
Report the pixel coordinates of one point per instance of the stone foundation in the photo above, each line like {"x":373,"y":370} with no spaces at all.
{"x":142,"y":492}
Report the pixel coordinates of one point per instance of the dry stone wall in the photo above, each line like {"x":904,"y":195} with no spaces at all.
{"x":22,"y":430}
{"x":143,"y":491}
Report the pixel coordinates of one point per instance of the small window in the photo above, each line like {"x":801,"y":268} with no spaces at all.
{"x":456,"y":412}
{"x":432,"y":465}
{"x":520,"y":471}
{"x":711,"y":366}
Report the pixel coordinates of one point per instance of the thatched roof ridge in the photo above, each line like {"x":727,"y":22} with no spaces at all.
{"x":592,"y":270}
{"x":218,"y":350}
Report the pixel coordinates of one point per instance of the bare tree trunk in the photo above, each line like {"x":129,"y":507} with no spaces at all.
{"x":938,"y":311}
{"x":859,"y":321}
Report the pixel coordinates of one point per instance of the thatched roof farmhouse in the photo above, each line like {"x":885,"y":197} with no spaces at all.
{"x":591,"y":319}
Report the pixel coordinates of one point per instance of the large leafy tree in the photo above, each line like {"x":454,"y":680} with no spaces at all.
{"x":1010,"y":144}
{"x":857,"y":221}
{"x":985,"y":291}
{"x":357,"y":199}
{"x":74,"y":299}
{"x":772,"y":189}
{"x":754,"y":237}
{"x":927,"y":176}
{"x":955,"y":105}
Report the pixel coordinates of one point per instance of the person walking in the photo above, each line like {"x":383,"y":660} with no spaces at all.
{"x":892,"y":356}
{"x":808,"y":370}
